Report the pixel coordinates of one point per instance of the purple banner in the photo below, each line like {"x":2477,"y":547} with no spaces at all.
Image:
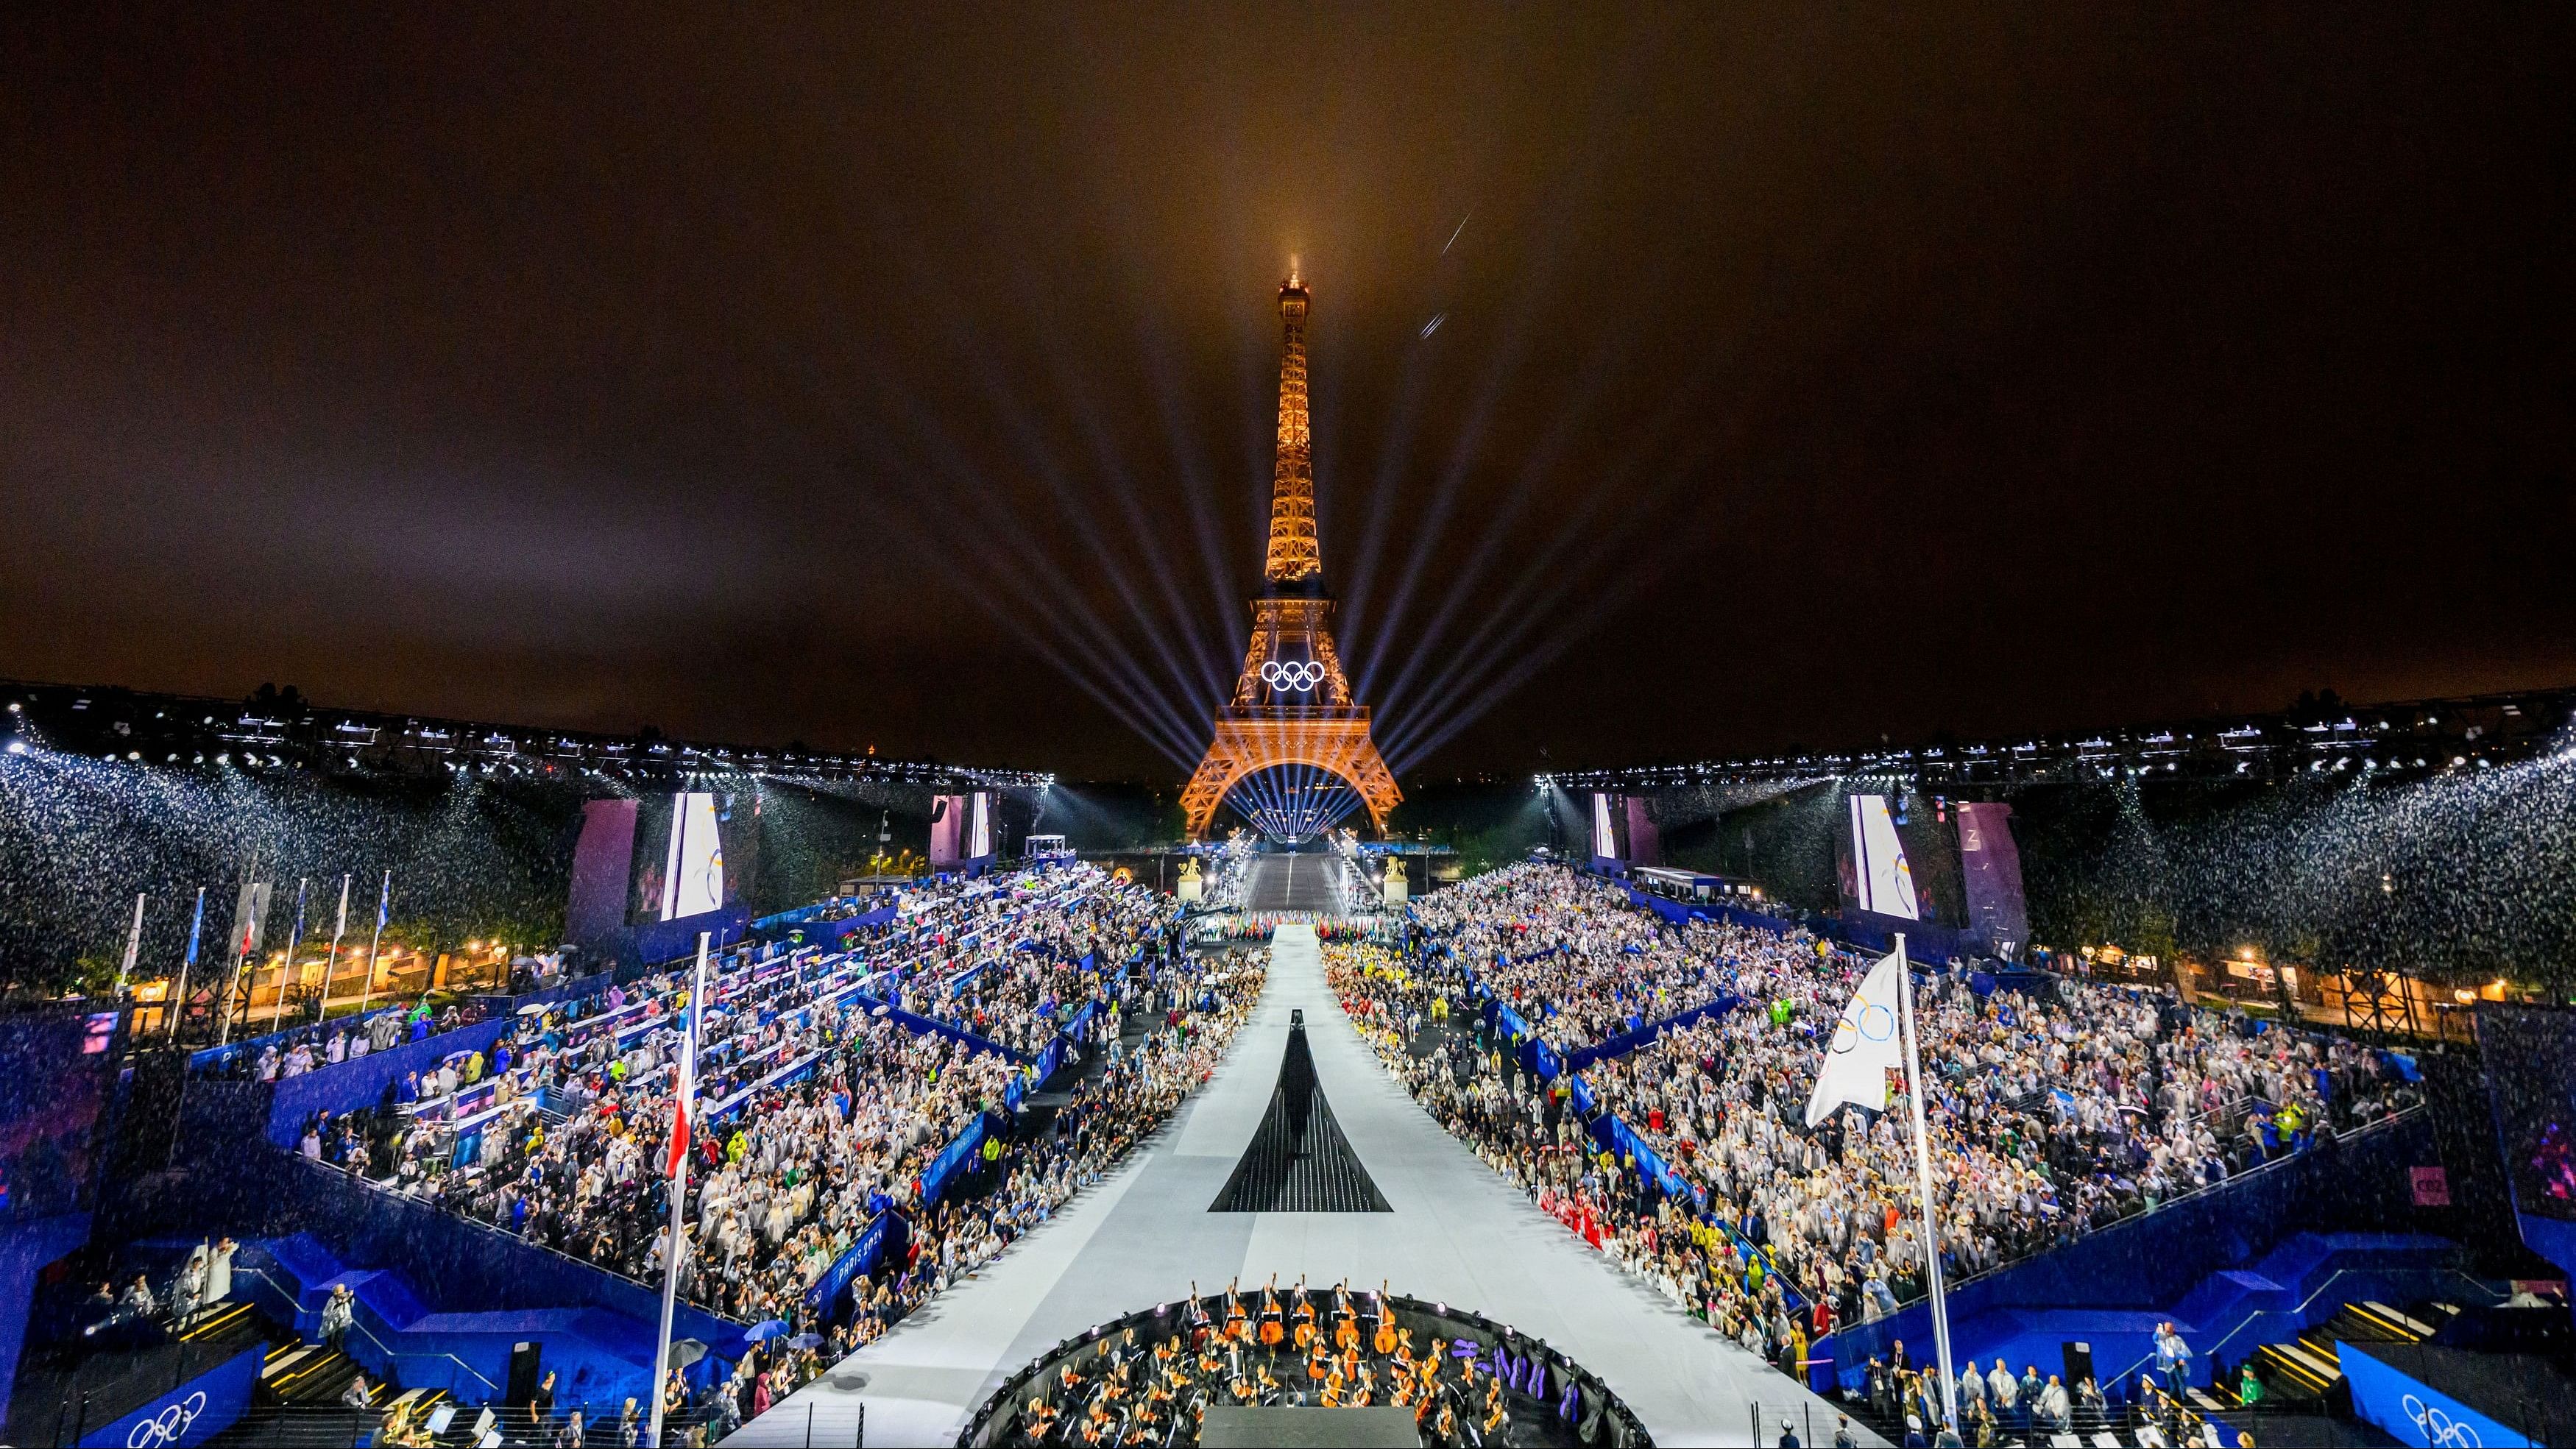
{"x":1990,"y":867}
{"x":596,"y":910}
{"x":1645,"y":843}
{"x":947,"y":831}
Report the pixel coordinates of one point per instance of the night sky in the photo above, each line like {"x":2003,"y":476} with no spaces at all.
{"x":906,"y":380}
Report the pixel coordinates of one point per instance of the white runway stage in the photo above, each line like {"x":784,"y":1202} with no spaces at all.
{"x":1458,"y":1234}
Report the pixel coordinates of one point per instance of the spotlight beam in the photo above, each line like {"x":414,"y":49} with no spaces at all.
{"x":1511,"y":617}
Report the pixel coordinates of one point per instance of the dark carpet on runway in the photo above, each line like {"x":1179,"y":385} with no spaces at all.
{"x":1299,"y":1162}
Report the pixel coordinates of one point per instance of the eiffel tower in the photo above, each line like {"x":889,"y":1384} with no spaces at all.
{"x":1292,"y":705}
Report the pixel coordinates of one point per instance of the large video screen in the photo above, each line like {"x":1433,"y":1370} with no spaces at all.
{"x":1605,"y":837}
{"x":1879,"y":878}
{"x":695,"y":851}
{"x":61,"y":1065}
{"x":961,"y":829}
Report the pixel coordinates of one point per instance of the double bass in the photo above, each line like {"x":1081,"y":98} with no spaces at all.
{"x":1384,"y":1341}
{"x":1304,"y":1335}
{"x":1273,"y":1324}
{"x":1346,"y":1325}
{"x":1237,"y":1325}
{"x":1199,"y":1325}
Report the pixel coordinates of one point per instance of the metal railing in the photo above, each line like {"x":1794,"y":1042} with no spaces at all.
{"x":281,"y":1305}
{"x":495,"y":1229}
{"x":813,"y":1424}
{"x":341,"y":1426}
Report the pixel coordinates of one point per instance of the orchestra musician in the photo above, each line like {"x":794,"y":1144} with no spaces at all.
{"x":1273,"y":1320}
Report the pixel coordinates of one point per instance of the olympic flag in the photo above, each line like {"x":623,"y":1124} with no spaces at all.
{"x":1864,"y":1047}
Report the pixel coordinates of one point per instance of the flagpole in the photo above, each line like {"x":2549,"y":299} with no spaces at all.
{"x":1923,"y":1182}
{"x":688,"y":1086}
{"x":241,"y":944}
{"x":133,"y":945}
{"x":294,"y":939}
{"x":384,"y":902}
{"x":339,"y":928}
{"x":178,"y":1005}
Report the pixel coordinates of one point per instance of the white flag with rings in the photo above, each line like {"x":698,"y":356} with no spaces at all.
{"x":1865,"y":1046}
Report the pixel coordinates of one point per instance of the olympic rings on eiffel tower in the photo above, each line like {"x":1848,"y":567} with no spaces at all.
{"x":1296,"y":676}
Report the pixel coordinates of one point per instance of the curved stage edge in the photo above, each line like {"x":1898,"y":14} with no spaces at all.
{"x":1537,"y":1418}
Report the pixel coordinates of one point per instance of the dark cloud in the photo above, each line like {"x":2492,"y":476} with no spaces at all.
{"x":904,"y":378}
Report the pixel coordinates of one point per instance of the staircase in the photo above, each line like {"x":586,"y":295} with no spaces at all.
{"x":307,"y":1373}
{"x":299,"y":1403}
{"x":224,"y":1324}
{"x":2310,"y":1365}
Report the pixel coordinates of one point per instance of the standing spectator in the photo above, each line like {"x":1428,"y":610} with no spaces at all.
{"x":219,"y":1272}
{"x":337,"y":1315}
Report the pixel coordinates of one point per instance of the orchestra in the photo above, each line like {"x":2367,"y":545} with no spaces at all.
{"x":1225,"y":1350}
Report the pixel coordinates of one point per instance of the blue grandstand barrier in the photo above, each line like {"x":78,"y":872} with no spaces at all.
{"x":886,"y":1235}
{"x":920,"y":1025}
{"x":247,"y":1049}
{"x":188,"y":1414}
{"x":674,"y":939}
{"x":2116,"y":1282}
{"x":1626,"y":1042}
{"x":439,"y":1294}
{"x":362,"y":1082}
{"x":956,"y":1157}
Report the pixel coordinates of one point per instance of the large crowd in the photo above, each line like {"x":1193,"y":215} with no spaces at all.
{"x":818,"y":1108}
{"x":1187,"y":1018}
{"x":2050,"y":1115}
{"x":1012,"y":973}
{"x":2053,"y":1111}
{"x":299,"y":1050}
{"x":1582,"y":965}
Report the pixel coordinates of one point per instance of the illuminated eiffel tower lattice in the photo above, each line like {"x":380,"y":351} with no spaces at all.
{"x":1292,"y":705}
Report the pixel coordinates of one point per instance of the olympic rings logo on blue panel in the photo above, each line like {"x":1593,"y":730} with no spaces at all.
{"x":2440,"y":1429}
{"x":169,"y":1426}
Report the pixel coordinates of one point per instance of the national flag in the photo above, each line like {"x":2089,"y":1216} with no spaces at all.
{"x":341,"y":927}
{"x":1864,"y":1047}
{"x":385,"y":902}
{"x":197,"y":926}
{"x":681,"y":1097}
